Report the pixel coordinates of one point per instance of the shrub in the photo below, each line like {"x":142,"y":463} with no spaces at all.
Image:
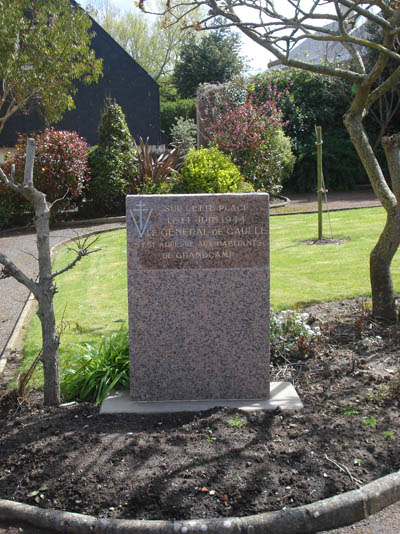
{"x":98,"y":369}
{"x":60,"y":171}
{"x":249,"y":130}
{"x":156,"y":171}
{"x":313,"y":99}
{"x":271,"y":164}
{"x":184,"y":133}
{"x":291,"y":335}
{"x":171,"y":111}
{"x":112,"y":163}
{"x":14,"y":209}
{"x":209,"y":171}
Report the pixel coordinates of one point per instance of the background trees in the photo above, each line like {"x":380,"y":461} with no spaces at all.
{"x":215,"y":58}
{"x":44,"y":47}
{"x":312,"y":99}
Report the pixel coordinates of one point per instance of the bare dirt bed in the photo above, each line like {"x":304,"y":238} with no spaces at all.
{"x":221,"y":462}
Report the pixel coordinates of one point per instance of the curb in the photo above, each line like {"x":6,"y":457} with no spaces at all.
{"x":334,"y":512}
{"x":285,"y":200}
{"x":331,"y":210}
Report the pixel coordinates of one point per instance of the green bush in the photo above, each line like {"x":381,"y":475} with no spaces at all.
{"x":184,"y":133}
{"x":246,"y":187}
{"x":209,"y":171}
{"x":162,"y":188}
{"x":14,"y":209}
{"x":112,"y":164}
{"x":268,"y":167}
{"x":98,"y":369}
{"x":171,"y":111}
{"x":315,"y":100}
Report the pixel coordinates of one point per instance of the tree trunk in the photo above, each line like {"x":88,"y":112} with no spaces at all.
{"x":50,"y":338}
{"x":383,"y":300}
{"x":50,"y":342}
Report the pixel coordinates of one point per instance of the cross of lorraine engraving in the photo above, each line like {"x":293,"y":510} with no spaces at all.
{"x":142,"y":225}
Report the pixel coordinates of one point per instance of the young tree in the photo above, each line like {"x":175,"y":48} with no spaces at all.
{"x":279,"y":27}
{"x":44,"y":47}
{"x":213,"y":59}
{"x":44,"y":288}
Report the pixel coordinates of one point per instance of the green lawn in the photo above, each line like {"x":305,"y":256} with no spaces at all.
{"x":302,"y":274}
{"x":92,"y":298}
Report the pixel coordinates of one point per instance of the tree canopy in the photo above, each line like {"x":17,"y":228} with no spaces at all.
{"x":279,"y":26}
{"x":44,"y":48}
{"x":215,"y":58}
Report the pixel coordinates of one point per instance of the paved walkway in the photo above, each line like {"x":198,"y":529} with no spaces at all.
{"x":20,"y":246}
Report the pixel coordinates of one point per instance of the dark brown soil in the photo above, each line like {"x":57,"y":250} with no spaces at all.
{"x":221,"y":462}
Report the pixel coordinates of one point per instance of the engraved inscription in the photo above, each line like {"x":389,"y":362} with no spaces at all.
{"x":143,"y":221}
{"x":201,"y":231}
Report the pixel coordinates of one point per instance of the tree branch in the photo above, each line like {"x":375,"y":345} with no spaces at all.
{"x":384,"y":87}
{"x":29,"y":160}
{"x":81,"y":251}
{"x":391,"y":146}
{"x":16,"y":273}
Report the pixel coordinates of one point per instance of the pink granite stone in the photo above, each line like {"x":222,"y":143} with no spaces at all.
{"x":198,"y":281}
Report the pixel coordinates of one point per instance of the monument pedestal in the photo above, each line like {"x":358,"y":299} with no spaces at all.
{"x":198,"y":284}
{"x":282,"y":395}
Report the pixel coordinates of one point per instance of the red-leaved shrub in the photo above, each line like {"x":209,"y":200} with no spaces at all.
{"x":250,"y":130}
{"x":60,"y":171}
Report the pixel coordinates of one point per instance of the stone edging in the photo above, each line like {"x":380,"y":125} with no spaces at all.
{"x":329,"y":513}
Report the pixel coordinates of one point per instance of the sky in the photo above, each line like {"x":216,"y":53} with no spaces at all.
{"x":258,"y":57}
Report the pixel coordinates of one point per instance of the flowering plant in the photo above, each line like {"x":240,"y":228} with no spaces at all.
{"x":291,"y":333}
{"x":251,"y":131}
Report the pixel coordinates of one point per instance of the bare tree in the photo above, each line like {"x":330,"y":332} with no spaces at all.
{"x":44,"y":288}
{"x":279,"y":26}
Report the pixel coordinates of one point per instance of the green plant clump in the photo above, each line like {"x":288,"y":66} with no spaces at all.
{"x":112,"y":163}
{"x":370,"y":421}
{"x":99,"y":369}
{"x":171,"y":111}
{"x":184,"y":133}
{"x":209,"y":171}
{"x":290,"y":333}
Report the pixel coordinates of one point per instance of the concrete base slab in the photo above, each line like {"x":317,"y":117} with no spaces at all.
{"x":283,"y":395}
